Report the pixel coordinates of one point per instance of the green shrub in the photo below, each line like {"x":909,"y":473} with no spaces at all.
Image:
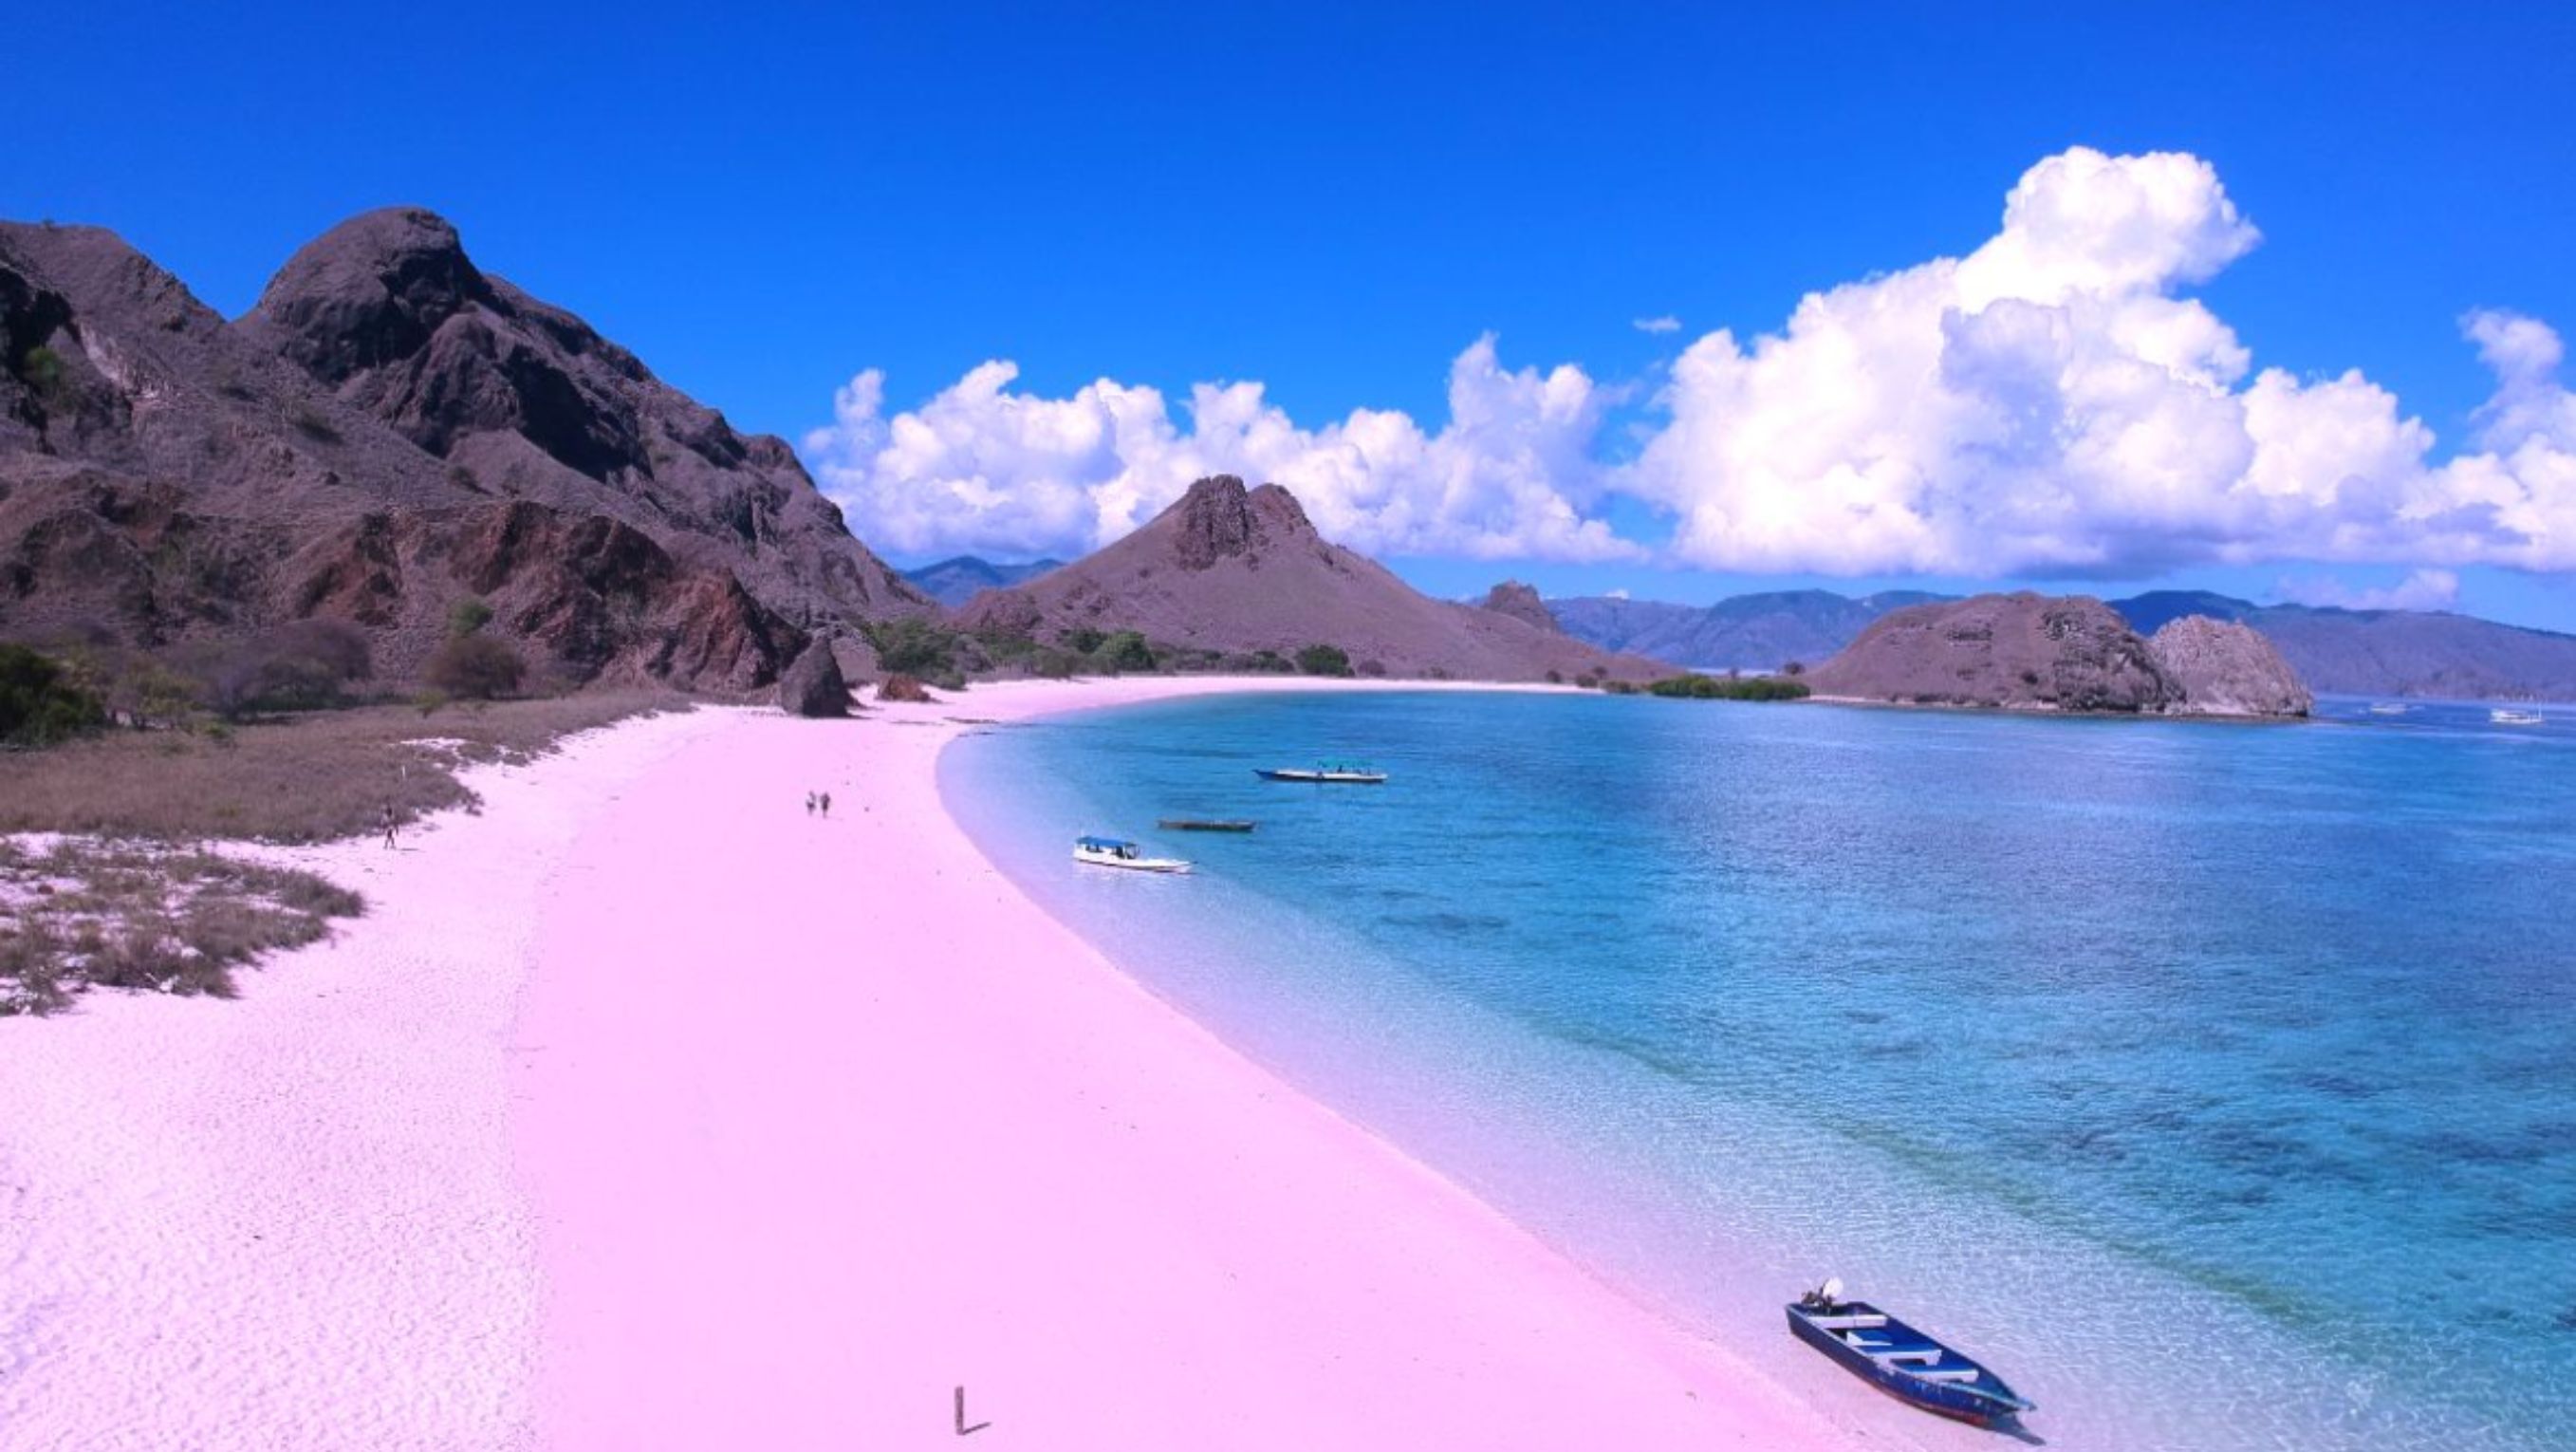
{"x":467,"y":616}
{"x":1618,"y":687}
{"x":1323,"y":660}
{"x":1125,"y":651}
{"x":913,"y":645}
{"x":1004,"y":648}
{"x":40,"y":704}
{"x":1693,"y":686}
{"x":1082,"y":640}
{"x":476,"y":668}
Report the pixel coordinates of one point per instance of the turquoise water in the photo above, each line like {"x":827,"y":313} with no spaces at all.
{"x":2216,"y":1083}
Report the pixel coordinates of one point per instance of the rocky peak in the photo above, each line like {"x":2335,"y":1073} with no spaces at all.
{"x":2227,"y":668}
{"x":1522,"y":603}
{"x":1216,"y":521}
{"x":371,"y":290}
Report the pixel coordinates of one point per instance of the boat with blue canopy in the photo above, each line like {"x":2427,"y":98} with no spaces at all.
{"x":1114,"y":852}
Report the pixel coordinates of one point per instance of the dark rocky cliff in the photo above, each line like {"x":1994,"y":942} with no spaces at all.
{"x":389,"y":431}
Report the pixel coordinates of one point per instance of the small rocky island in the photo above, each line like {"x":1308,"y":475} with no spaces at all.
{"x":2031,"y":652}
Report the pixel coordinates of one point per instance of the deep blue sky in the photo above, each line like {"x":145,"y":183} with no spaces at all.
{"x":1329,"y":200}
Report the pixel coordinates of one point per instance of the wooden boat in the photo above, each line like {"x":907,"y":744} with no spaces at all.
{"x":1330,"y":775}
{"x":1110,"y":852}
{"x":1907,"y":1364}
{"x":1197,"y":824}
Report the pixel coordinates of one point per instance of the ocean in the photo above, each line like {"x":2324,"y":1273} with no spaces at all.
{"x":2214,"y":1083}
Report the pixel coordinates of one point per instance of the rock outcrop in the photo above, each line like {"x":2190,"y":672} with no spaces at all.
{"x":2041,"y":653}
{"x":2388,"y":652}
{"x":2026,"y":651}
{"x":813,"y":685}
{"x":1521,"y":602}
{"x":1241,"y":570}
{"x":903,"y":688}
{"x":2228,"y":669}
{"x":389,"y":431}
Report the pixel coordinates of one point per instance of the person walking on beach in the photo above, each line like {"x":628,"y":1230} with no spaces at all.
{"x":826,"y":799}
{"x":809,"y":804}
{"x":385,"y":820}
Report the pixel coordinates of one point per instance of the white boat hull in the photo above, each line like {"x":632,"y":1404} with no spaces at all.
{"x":1131,"y":864}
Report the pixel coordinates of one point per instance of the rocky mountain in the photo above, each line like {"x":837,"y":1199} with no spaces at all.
{"x":1232,"y":569}
{"x":953,"y":582}
{"x":1751,"y":632}
{"x":2388,"y":652}
{"x":2033,"y":652}
{"x":1521,"y":603}
{"x":2228,"y":669}
{"x":389,"y":431}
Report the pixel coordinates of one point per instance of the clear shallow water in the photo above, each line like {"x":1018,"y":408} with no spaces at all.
{"x":2217,"y":1083}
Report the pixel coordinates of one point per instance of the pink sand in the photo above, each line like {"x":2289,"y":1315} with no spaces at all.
{"x":644,"y":1112}
{"x":825,"y":1119}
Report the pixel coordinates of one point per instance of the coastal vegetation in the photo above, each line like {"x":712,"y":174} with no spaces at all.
{"x":294,"y":778}
{"x":39,"y":703}
{"x":1323,"y":660}
{"x":1690,"y":685}
{"x":470,"y":665}
{"x":917,"y":646}
{"x":124,"y":915}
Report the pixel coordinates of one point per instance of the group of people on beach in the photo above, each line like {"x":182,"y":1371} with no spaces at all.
{"x":818,"y":803}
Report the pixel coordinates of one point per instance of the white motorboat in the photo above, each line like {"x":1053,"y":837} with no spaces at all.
{"x":1336,"y":774}
{"x":2503,"y":716}
{"x":1111,"y":852}
{"x":2388,"y":708}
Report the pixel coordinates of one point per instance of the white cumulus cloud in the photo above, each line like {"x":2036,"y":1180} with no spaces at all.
{"x":980,"y":466}
{"x":1665,"y":324}
{"x":2051,"y":403}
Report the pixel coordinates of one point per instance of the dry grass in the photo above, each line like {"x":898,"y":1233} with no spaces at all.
{"x":306,"y":778}
{"x":124,"y":915}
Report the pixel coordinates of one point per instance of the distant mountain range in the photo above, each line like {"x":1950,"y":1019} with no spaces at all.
{"x":1241,"y":570}
{"x":2389,"y":652}
{"x":954,"y":581}
{"x":391,"y":431}
{"x":2351,"y":652}
{"x":1749,"y":632}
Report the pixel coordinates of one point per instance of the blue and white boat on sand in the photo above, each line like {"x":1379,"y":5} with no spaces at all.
{"x":1907,"y":1364}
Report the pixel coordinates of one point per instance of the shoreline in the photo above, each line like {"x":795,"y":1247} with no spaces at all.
{"x":643,"y":1110}
{"x":1107,"y":1225}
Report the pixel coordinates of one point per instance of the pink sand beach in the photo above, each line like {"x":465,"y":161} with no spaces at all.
{"x":646,"y":1111}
